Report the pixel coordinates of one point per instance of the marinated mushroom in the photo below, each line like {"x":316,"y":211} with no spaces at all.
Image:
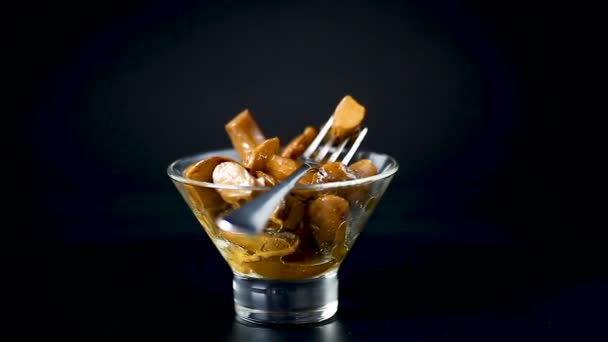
{"x":359,"y":194}
{"x":232,"y":173}
{"x":295,"y":213}
{"x":280,"y":167}
{"x":348,"y":116}
{"x":309,"y":178}
{"x":256,"y":160}
{"x":333,"y":172}
{"x":202,"y":171}
{"x":244,"y":133}
{"x":363,"y":168}
{"x":298,"y":145}
{"x":328,"y":216}
{"x":264,"y":179}
{"x":265,"y":245}
{"x":326,"y":173}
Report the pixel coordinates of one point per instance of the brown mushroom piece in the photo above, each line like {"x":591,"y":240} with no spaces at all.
{"x":232,"y":173}
{"x":328,"y":215}
{"x":280,"y":167}
{"x":265,"y":245}
{"x":295,"y":213}
{"x":326,"y":173}
{"x":276,"y":219}
{"x":348,"y":116}
{"x":298,"y":145}
{"x":363,"y":168}
{"x":358,"y":195}
{"x":264,"y":179}
{"x":333,"y":172}
{"x":257,"y":158}
{"x":202,"y":171}
{"x":244,"y":133}
{"x":309,"y":178}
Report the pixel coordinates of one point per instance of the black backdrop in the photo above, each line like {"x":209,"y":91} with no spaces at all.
{"x":465,"y":95}
{"x":474,"y":100}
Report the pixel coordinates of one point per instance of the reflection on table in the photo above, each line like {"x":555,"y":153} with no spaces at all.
{"x":331,"y":330}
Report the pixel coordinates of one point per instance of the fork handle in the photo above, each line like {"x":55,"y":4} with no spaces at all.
{"x":251,"y":218}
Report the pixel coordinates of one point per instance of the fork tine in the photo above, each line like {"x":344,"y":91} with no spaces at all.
{"x":317,"y":141}
{"x":339,"y":149}
{"x":354,"y":147}
{"x":324,"y":150}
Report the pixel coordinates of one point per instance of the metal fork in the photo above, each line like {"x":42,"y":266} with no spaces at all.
{"x":252,"y":217}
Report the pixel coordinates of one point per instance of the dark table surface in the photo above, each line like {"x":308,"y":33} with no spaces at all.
{"x":420,"y":280}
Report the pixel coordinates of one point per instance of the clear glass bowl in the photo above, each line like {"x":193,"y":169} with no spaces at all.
{"x":288,"y":274}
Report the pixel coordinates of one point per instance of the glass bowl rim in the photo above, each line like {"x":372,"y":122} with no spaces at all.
{"x":176,"y":176}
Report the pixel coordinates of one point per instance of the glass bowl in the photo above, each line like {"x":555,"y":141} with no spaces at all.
{"x":288,"y":274}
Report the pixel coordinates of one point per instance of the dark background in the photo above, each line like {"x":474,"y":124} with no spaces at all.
{"x":489,"y":217}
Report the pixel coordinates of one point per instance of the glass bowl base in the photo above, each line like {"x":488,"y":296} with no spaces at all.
{"x":266,"y":301}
